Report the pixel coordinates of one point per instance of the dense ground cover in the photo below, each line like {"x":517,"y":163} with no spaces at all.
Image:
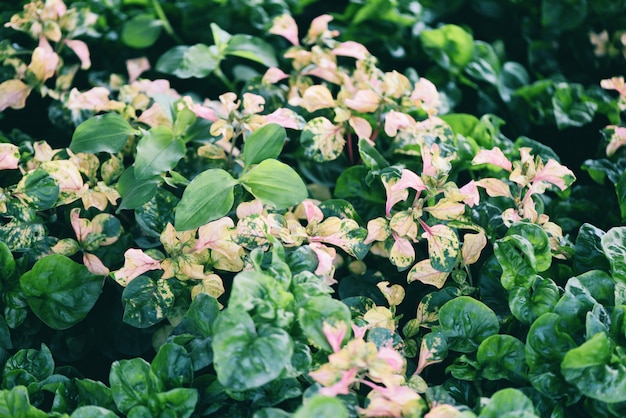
{"x":290,"y":208}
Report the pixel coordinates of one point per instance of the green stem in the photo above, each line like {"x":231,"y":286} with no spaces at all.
{"x":218,"y":72}
{"x":166,"y":23}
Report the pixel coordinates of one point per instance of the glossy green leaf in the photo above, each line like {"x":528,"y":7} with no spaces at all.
{"x":265,"y":142}
{"x":466,"y":322}
{"x":141,"y":31}
{"x":172,"y":365}
{"x":179,"y":401}
{"x":449,"y":45}
{"x":563,"y":14}
{"x":91,"y":411}
{"x":154,"y":215}
{"x":16,"y":403}
{"x":614,"y":246}
{"x":102,"y":133}
{"x":60,"y":291}
{"x":371,"y":157}
{"x":485,"y":64}
{"x":322,"y":406}
{"x":134,"y":191}
{"x":157,"y":152}
{"x":594,"y":372}
{"x":208,"y":197}
{"x":352,"y":183}
{"x":93,"y":392}
{"x":252,"y":48}
{"x":502,"y":357}
{"x":509,"y":403}
{"x":571,"y":106}
{"x":200,"y":316}
{"x":589,"y":254}
{"x":132,"y":382}
{"x":512,"y":77}
{"x":189,"y":61}
{"x":620,"y":189}
{"x":246,"y":357}
{"x":315,"y":312}
{"x":275,"y":184}
{"x":38,"y":363}
{"x":38,"y":189}
{"x":146,"y":301}
{"x":529,"y":303}
{"x":7,"y":262}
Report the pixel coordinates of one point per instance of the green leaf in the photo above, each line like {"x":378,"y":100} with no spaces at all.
{"x":502,"y":357}
{"x":571,"y":107}
{"x":220,"y":36}
{"x":132,"y":382}
{"x":246,"y":357}
{"x":466,"y":322}
{"x":59,"y":291}
{"x":315,"y":312}
{"x":252,"y":48}
{"x":91,"y":411}
{"x":509,"y":403}
{"x":146,"y":301}
{"x":15,"y":403}
{"x":512,"y":77}
{"x":154,"y":215}
{"x":352,"y":183}
{"x":450,"y":46}
{"x":443,"y":247}
{"x":102,"y":133}
{"x":208,"y":197}
{"x":322,"y":406}
{"x":563,"y":14}
{"x":92,"y":392}
{"x":134,"y":191}
{"x":38,"y":189}
{"x":200,"y":316}
{"x":265,"y":142}
{"x":172,"y":365}
{"x":141,"y":31}
{"x":275,"y":183}
{"x":157,"y":152}
{"x":620,"y":189}
{"x":7,"y":262}
{"x":180,"y":401}
{"x":371,"y":157}
{"x":594,"y":372}
{"x":529,"y":303}
{"x":614,"y":246}
{"x":485,"y":64}
{"x":190,"y":61}
{"x":38,"y":363}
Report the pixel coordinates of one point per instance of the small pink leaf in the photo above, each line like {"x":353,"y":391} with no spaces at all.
{"x":351,"y":49}
{"x":395,"y":121}
{"x":618,"y":139}
{"x":361,"y":127}
{"x":494,"y":187}
{"x":286,"y":26}
{"x":363,"y":101}
{"x":473,"y":245}
{"x":424,"y":272}
{"x":13,"y":94}
{"x":556,"y":174}
{"x":82,"y":52}
{"x":493,"y":156}
{"x":135,"y":67}
{"x":136,"y":262}
{"x":9,"y":156}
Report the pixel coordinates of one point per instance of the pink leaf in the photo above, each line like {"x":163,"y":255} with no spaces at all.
{"x":319,"y":28}
{"x":556,"y":174}
{"x":13,"y":94}
{"x":9,"y":156}
{"x":135,"y":67}
{"x":395,"y":121}
{"x":363,"y":101}
{"x":44,"y":61}
{"x":425,"y":273}
{"x":325,"y":257}
{"x":342,"y":387}
{"x":425,"y":95}
{"x":618,"y":139}
{"x":493,"y":156}
{"x":494,"y":187}
{"x":82,"y":52}
{"x":274,"y":75}
{"x":402,"y":253}
{"x":334,"y":334}
{"x":473,"y":245}
{"x":361,"y":127}
{"x":286,"y":26}
{"x":286,"y":118}
{"x":136,"y":262}
{"x":317,"y":97}
{"x":351,"y":49}
{"x":472,"y":197}
{"x":94,"y":264}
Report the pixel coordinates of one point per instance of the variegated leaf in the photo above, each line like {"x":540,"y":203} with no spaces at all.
{"x":424,"y":272}
{"x":443,"y":246}
{"x":322,"y":140}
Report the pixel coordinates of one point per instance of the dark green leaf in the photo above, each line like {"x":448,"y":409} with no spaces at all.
{"x":563,"y":14}
{"x":529,"y":303}
{"x":141,"y":31}
{"x":132,"y":382}
{"x":509,"y":403}
{"x":351,"y":184}
{"x":190,"y":61}
{"x":101,"y":133}
{"x":485,"y":64}
{"x":180,"y":401}
{"x":38,"y":363}
{"x":512,"y":77}
{"x":15,"y":403}
{"x":275,"y":183}
{"x":92,"y":392}
{"x":59,"y":291}
{"x":246,"y":357}
{"x":466,"y":322}
{"x":38,"y":189}
{"x":157,"y":152}
{"x":502,"y":357}
{"x":154,"y":215}
{"x":315,"y":312}
{"x":172,"y":365}
{"x":135,"y":192}
{"x":265,"y":142}
{"x":208,"y":197}
{"x":200,"y":316}
{"x":371,"y":157}
{"x":620,"y":189}
{"x":7,"y":262}
{"x":614,"y":246}
{"x":571,"y":107}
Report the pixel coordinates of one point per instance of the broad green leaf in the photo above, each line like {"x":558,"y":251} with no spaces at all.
{"x":443,"y":247}
{"x":620,"y":189}
{"x":322,"y":406}
{"x":594,"y":372}
{"x":189,"y":61}
{"x":571,"y":107}
{"x":157,"y":152}
{"x":509,"y":403}
{"x":352,"y":183}
{"x":266,"y":142}
{"x":275,"y":184}
{"x":315,"y":312}
{"x":132,"y":382}
{"x":5,"y":335}
{"x":512,"y":77}
{"x":16,"y":403}
{"x":546,"y":344}
{"x":141,"y":31}
{"x":252,"y":48}
{"x":7,"y":262}
{"x":146,"y":301}
{"x":179,"y":401}
{"x":91,"y":411}
{"x":60,"y":291}
{"x":371,"y":157}
{"x":485,"y":64}
{"x":529,"y":303}
{"x":208,"y":197}
{"x":134,"y":191}
{"x":102,"y":133}
{"x":563,"y":14}
{"x":246,"y":357}
{"x":220,"y":36}
{"x":92,"y":392}
{"x":38,"y":363}
{"x":200,"y":316}
{"x":466,"y":322}
{"x":614,"y":246}
{"x":449,"y":45}
{"x":502,"y":357}
{"x":172,"y":365}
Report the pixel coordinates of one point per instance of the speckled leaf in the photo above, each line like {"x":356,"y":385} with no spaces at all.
{"x":428,"y":308}
{"x":322,"y":140}
{"x":38,"y":189}
{"x":146,"y":301}
{"x":424,"y":272}
{"x":443,"y":246}
{"x":154,"y":215}
{"x":434,"y":349}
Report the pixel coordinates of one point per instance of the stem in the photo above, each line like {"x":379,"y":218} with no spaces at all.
{"x":166,"y":23}
{"x":350,"y":150}
{"x":218,"y":72}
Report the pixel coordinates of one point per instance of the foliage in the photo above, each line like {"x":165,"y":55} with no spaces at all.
{"x":234,"y":218}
